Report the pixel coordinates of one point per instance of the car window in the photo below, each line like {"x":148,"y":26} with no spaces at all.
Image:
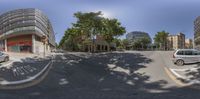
{"x":1,"y":54}
{"x":196,"y":53}
{"x":180,"y":53}
{"x":188,"y":52}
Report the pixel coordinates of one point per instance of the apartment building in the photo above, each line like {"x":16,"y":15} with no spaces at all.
{"x":188,"y":43}
{"x":26,"y":30}
{"x":176,"y":41}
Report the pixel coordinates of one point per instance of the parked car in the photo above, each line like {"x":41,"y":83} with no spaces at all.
{"x":185,"y":56}
{"x":4,"y":57}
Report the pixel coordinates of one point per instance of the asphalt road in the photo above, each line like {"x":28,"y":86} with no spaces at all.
{"x":119,"y":75}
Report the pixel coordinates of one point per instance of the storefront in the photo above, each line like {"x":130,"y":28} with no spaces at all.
{"x":20,"y":44}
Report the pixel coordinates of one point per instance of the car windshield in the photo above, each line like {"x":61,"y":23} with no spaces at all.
{"x":99,"y":49}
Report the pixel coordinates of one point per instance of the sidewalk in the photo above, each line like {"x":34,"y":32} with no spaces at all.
{"x":20,"y":56}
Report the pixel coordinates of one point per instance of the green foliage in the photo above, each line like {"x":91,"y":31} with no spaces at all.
{"x":87,"y":26}
{"x":161,"y":38}
{"x":141,"y":43}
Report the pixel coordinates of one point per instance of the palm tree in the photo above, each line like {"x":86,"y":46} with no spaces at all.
{"x":161,"y":39}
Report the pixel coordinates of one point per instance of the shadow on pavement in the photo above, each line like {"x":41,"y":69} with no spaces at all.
{"x":100,"y":76}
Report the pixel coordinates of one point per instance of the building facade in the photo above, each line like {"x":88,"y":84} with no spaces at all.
{"x":188,"y":43}
{"x":197,"y":33}
{"x":97,"y":45}
{"x":26,"y":30}
{"x":135,"y":36}
{"x":176,"y":41}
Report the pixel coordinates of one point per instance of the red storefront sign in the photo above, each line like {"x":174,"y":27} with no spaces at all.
{"x":20,"y":43}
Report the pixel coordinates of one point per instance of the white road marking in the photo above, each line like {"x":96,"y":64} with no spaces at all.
{"x":25,"y":80}
{"x":176,"y":74}
{"x":188,"y":69}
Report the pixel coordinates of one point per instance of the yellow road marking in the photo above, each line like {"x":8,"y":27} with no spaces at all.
{"x":172,"y":77}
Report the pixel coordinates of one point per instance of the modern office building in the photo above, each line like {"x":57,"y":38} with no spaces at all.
{"x":197,"y":33}
{"x":188,"y":43}
{"x":135,"y":36}
{"x":26,"y":30}
{"x":176,"y":41}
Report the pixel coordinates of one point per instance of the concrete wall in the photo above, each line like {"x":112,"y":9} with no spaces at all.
{"x":39,"y":47}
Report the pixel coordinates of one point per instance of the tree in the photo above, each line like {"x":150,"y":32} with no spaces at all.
{"x":160,"y":39}
{"x":112,"y":28}
{"x":125,"y":43}
{"x":141,"y":43}
{"x":117,"y":42}
{"x":145,"y":42}
{"x":88,"y":26}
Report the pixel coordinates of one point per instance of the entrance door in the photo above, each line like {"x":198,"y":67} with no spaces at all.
{"x":14,"y":48}
{"x":25,"y":48}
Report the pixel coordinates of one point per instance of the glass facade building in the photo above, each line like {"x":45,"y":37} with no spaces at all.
{"x":137,"y":35}
{"x":23,"y":30}
{"x":197,"y":33}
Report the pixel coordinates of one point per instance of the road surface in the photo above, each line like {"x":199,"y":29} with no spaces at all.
{"x":117,"y":75}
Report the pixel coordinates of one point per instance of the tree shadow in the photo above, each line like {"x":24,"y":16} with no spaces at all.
{"x":100,"y":76}
{"x":194,"y":75}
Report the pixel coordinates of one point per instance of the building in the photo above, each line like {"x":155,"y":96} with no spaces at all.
{"x":197,"y":33}
{"x":176,"y":41}
{"x":26,"y":30}
{"x":97,"y":45}
{"x":135,"y":36}
{"x":188,"y":43}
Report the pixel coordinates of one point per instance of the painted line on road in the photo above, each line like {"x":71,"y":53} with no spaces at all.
{"x":25,"y":80}
{"x":173,"y":77}
{"x":176,"y":74}
{"x":6,"y":64}
{"x":190,"y":69}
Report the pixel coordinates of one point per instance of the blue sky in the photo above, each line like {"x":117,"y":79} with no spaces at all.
{"x":149,"y":16}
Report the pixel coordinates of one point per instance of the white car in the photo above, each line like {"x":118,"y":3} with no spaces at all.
{"x":4,"y":57}
{"x":184,"y":56}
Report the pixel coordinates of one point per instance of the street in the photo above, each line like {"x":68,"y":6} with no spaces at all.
{"x":116,"y":75}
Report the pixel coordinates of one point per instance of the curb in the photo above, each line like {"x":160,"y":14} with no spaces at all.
{"x":174,"y":78}
{"x":180,"y":81}
{"x":28,"y":83}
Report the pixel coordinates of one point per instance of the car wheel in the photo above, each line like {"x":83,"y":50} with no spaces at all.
{"x":179,"y":62}
{"x":6,"y":59}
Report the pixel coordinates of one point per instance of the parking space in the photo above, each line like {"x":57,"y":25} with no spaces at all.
{"x":187,"y":74}
{"x":23,"y":69}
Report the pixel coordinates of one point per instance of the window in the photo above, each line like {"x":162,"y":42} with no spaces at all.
{"x":180,"y":53}
{"x":188,"y":52}
{"x":196,"y":53}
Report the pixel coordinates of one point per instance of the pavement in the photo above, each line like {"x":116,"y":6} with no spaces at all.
{"x":22,"y":68}
{"x":116,"y":75}
{"x":188,"y":74}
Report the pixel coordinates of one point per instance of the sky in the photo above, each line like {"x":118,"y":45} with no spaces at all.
{"x":150,"y":16}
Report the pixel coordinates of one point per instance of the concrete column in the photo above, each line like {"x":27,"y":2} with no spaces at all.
{"x":5,"y":42}
{"x":33,"y":44}
{"x":95,"y":47}
{"x":44,"y":51}
{"x":100,"y":47}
